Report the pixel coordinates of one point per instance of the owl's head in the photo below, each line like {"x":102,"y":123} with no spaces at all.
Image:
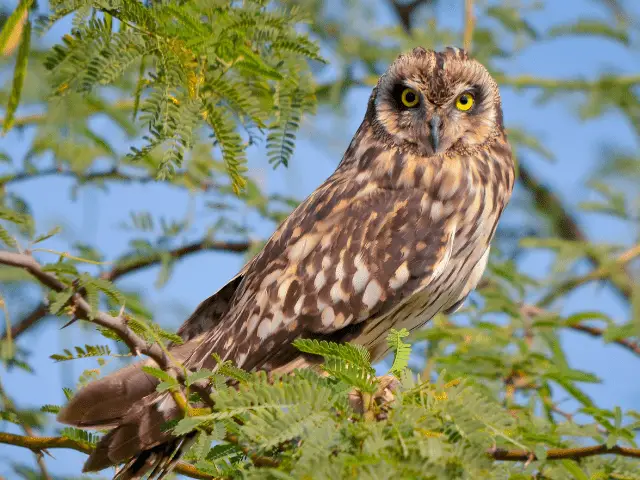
{"x":437,"y":103}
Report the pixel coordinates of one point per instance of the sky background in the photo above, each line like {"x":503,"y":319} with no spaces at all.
{"x":95,"y":215}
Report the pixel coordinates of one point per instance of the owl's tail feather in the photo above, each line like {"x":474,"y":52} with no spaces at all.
{"x":127,"y":402}
{"x":103,"y":403}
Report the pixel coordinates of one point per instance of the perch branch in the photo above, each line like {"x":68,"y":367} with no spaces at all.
{"x":39,"y":444}
{"x":83,"y":310}
{"x":124,"y":268}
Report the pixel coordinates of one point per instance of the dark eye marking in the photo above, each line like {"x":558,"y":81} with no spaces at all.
{"x":405,"y":98}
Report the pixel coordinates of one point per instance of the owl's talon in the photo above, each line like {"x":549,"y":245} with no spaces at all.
{"x":374,"y":406}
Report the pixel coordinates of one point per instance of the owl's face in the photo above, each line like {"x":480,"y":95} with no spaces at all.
{"x":437,"y":103}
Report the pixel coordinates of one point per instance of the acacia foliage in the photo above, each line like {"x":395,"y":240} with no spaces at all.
{"x":495,"y":374}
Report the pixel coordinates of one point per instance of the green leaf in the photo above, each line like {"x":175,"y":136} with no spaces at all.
{"x":402,"y":350}
{"x":6,"y":237}
{"x":12,"y":28}
{"x":19,"y":74}
{"x":189,"y":424}
{"x":46,"y":236}
{"x":160,"y":374}
{"x":346,"y":352}
{"x":574,"y":469}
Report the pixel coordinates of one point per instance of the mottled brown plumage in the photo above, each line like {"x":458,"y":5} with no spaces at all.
{"x":399,"y":232}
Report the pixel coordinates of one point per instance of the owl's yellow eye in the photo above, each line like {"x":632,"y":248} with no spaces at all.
{"x":465,"y":101}
{"x":409,"y":97}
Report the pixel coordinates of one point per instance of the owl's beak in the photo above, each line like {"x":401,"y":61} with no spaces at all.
{"x":434,"y":136}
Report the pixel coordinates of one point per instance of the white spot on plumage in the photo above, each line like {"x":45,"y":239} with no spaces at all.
{"x":362,"y":177}
{"x":297,"y":308}
{"x":400,"y":277}
{"x":361,"y":277}
{"x":372,"y":294}
{"x":228,"y":343}
{"x":252,"y":324}
{"x":241,"y":359}
{"x":436,"y":210}
{"x":167,"y":404}
{"x":264,"y":330}
{"x":284,"y":288}
{"x":270,"y":278}
{"x":299,"y":250}
{"x":340,"y":270}
{"x":278,"y":318}
{"x":320,"y":280}
{"x":327,"y":316}
{"x":327,"y":241}
{"x":337,"y":294}
{"x":326,"y":261}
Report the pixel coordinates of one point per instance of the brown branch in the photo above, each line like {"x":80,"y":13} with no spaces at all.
{"x":469,"y":24}
{"x":39,"y":444}
{"x":634,"y":347}
{"x":112,"y":174}
{"x":27,"y":322}
{"x":28,"y":120}
{"x":563,"y":453}
{"x":124,"y":268}
{"x":83,"y":310}
{"x":602,"y":272}
{"x":405,"y":11}
{"x":562,"y":222}
{"x":26,"y":428}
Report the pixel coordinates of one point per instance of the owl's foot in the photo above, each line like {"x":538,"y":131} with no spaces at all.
{"x":375,"y":406}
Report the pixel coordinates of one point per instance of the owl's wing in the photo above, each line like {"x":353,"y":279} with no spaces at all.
{"x":341,"y":258}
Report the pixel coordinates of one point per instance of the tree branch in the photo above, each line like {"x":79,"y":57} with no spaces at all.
{"x":563,"y":223}
{"x":405,"y":11}
{"x":634,"y":347}
{"x":124,"y":268}
{"x":113,"y":174}
{"x":602,"y":272}
{"x":9,"y":405}
{"x":469,"y":24}
{"x":83,"y":310}
{"x":563,"y":453}
{"x":39,"y":444}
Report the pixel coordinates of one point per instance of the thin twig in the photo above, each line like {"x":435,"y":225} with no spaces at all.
{"x":562,"y":221}
{"x":10,"y":406}
{"x":406,"y":11}
{"x":112,"y":174}
{"x":124,"y":268}
{"x":602,"y":272}
{"x":534,"y":310}
{"x":39,"y":444}
{"x":469,"y":24}
{"x":563,"y":453}
{"x":83,"y":310}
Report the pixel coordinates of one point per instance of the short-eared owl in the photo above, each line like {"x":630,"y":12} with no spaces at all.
{"x":399,"y":232}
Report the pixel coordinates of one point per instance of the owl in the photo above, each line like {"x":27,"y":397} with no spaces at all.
{"x":399,"y":232}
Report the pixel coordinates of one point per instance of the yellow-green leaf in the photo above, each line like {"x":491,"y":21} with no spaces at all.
{"x":18,"y":78}
{"x":12,"y":30}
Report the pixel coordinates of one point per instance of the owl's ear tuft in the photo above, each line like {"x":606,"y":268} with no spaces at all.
{"x":419,"y":51}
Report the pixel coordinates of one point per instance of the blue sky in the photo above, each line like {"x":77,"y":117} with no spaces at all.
{"x":95,"y":215}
